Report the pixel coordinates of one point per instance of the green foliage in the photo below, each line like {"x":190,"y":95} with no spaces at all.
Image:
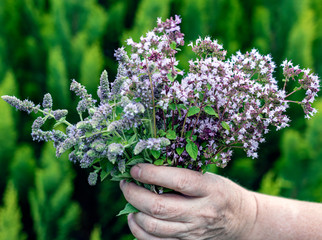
{"x":58,"y":83}
{"x":96,"y":234}
{"x":10,"y":216}
{"x":109,"y":193}
{"x":91,"y":68}
{"x":261,"y":28}
{"x":145,"y":17}
{"x":22,"y":170}
{"x":2,"y":57}
{"x":8,"y":132}
{"x":302,"y":35}
{"x":192,"y":16}
{"x":243,"y":171}
{"x":300,"y":163}
{"x":55,"y":215}
{"x":314,"y":140}
{"x":317,"y":44}
{"x":273,"y":185}
{"x":232,"y":21}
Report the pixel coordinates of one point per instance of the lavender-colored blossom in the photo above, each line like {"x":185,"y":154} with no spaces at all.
{"x":92,"y":178}
{"x":139,"y":147}
{"x":99,"y":145}
{"x":65,"y":145}
{"x":101,"y":115}
{"x":86,"y":99}
{"x":84,"y":125}
{"x":86,"y":161}
{"x":104,"y":88}
{"x":59,"y":113}
{"x":38,"y":123}
{"x":38,"y":134}
{"x":47,"y":101}
{"x":121,"y":165}
{"x":114,"y":150}
{"x":151,"y":143}
{"x":25,"y":105}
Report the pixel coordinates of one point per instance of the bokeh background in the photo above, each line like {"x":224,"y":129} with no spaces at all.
{"x":46,"y":43}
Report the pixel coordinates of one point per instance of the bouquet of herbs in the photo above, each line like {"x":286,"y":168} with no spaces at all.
{"x":155,"y":112}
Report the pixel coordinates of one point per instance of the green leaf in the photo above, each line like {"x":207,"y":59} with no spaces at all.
{"x":131,"y":140}
{"x":225,"y":125}
{"x":192,"y":150}
{"x":104,"y":175}
{"x":162,"y":133}
{"x":179,"y":150}
{"x":135,"y":161}
{"x":106,"y":165}
{"x":172,"y":106}
{"x":169,"y":162}
{"x":208,"y":86}
{"x":193,"y":110}
{"x":88,"y":134}
{"x":127,"y":210}
{"x":194,"y":137}
{"x":169,"y":75}
{"x":118,"y":110}
{"x":181,"y":106}
{"x":60,"y":121}
{"x":188,"y":134}
{"x":148,"y":160}
{"x":158,"y":162}
{"x":156,"y":153}
{"x":209,"y":110}
{"x":173,"y":45}
{"x":121,"y":176}
{"x":171,"y":135}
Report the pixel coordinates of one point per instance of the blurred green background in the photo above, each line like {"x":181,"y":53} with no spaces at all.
{"x":46,"y":43}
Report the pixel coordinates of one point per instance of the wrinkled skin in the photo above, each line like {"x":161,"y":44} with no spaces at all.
{"x":207,"y":206}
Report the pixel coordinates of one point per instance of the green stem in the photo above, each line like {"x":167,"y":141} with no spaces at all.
{"x":153,"y":103}
{"x":51,"y":115}
{"x":184,"y":122}
{"x":196,"y":122}
{"x":116,"y":133}
{"x":149,"y":120}
{"x":293,"y":92}
{"x":136,"y":133}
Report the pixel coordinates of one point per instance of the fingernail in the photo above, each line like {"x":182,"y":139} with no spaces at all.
{"x":136,"y":172}
{"x":122,"y":182}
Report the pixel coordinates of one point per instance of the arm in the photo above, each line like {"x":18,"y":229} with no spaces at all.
{"x":281,"y":218}
{"x":213,"y":207}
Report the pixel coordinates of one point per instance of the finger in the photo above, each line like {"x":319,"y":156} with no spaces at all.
{"x":166,"y":206}
{"x":188,"y":182}
{"x":140,"y":234}
{"x":161,"y":228}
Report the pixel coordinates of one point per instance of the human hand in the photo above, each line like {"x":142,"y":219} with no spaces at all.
{"x":209,"y":206}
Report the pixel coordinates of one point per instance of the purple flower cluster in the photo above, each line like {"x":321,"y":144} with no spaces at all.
{"x":307,"y":81}
{"x":154,"y":112}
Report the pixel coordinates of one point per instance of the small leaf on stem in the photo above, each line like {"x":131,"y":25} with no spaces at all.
{"x":193,"y":110}
{"x":127,"y":210}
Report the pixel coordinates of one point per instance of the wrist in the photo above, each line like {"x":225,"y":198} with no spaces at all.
{"x":247,"y":215}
